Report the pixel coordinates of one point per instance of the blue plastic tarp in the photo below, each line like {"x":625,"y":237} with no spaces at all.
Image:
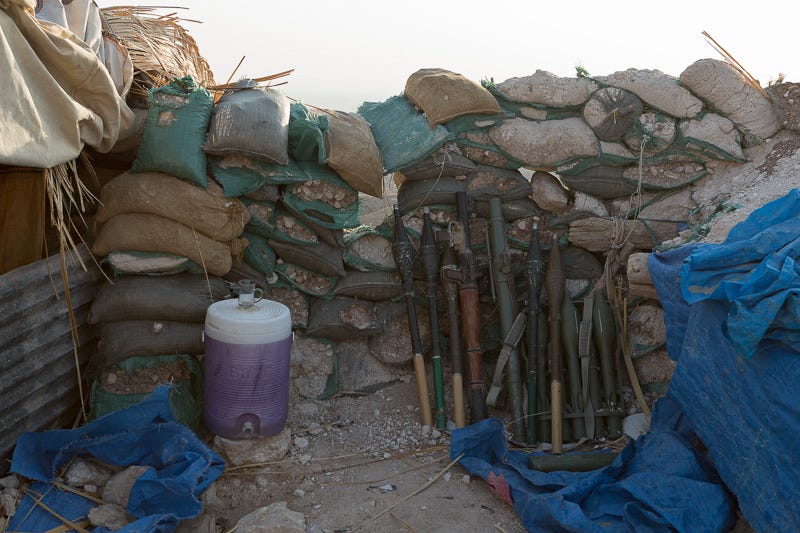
{"x":718,"y":300}
{"x":146,"y":434}
{"x":659,"y":483}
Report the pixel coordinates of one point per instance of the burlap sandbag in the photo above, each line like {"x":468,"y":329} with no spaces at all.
{"x":353,"y":153}
{"x":443,"y":95}
{"x":206,"y":210}
{"x":152,"y":233}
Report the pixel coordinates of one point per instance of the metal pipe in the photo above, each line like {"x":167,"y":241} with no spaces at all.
{"x":430,"y":259}
{"x":403,"y":252}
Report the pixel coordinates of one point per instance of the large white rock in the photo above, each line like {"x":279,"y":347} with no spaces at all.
{"x":274,"y":518}
{"x":542,"y":145}
{"x":254,"y":451}
{"x":84,"y":472}
{"x":545,"y":88}
{"x":728,"y":92}
{"x":657,"y":90}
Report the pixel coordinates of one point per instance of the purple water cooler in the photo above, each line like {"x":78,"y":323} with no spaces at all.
{"x":247,"y":352}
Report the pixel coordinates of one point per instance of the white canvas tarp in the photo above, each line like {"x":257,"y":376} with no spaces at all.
{"x":56,"y":93}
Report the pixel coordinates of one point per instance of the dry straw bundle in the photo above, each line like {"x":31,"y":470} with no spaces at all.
{"x":159,"y":47}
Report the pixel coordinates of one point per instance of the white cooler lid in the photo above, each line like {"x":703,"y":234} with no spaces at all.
{"x":266,"y":321}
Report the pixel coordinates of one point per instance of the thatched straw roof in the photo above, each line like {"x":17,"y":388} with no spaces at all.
{"x":159,"y":47}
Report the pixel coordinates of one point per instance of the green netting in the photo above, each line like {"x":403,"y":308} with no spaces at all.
{"x":401,"y":132}
{"x":325,"y":198}
{"x":175,"y":130}
{"x":262,"y":217}
{"x":259,"y":254}
{"x":185,"y":397}
{"x":239,"y":175}
{"x":369,"y":250}
{"x":464,"y":123}
{"x":307,"y":281}
{"x":306,"y":134}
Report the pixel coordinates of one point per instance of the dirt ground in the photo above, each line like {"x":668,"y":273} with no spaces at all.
{"x":365,"y":463}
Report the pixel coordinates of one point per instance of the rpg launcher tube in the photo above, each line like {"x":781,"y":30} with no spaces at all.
{"x":503,"y":283}
{"x":470,"y":314}
{"x":554,"y":281}
{"x":430,"y":259}
{"x":543,"y":399}
{"x":450,"y":264}
{"x":569,"y":330}
{"x":605,"y":334}
{"x":403,"y":252}
{"x":534,"y":268}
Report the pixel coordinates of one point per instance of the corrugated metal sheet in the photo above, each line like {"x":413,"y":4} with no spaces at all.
{"x":38,"y":379}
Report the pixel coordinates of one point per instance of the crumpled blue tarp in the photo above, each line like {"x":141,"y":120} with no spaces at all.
{"x":659,"y":483}
{"x":745,"y":411}
{"x":145,"y":434}
{"x":756,"y":270}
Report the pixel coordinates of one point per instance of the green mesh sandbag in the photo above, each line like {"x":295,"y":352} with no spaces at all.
{"x":306,"y":134}
{"x":369,"y":250}
{"x":240,"y":175}
{"x":259,"y":254}
{"x":401,"y":132}
{"x":128,"y":382}
{"x":306,"y":280}
{"x":175,"y":130}
{"x":326,"y":199}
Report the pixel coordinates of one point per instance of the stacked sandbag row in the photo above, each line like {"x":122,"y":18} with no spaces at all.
{"x":606,"y":164}
{"x":167,"y":234}
{"x":151,"y":330}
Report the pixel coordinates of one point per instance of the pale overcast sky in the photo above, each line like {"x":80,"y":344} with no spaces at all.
{"x":347,"y":52}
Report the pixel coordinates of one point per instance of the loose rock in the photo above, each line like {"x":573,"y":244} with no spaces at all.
{"x":253,"y":451}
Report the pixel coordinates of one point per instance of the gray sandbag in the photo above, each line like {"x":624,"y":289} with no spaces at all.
{"x":651,"y":133}
{"x":602,"y":181}
{"x":305,"y":280}
{"x":518,"y":233}
{"x":321,"y":257}
{"x":251,"y":121}
{"x":478,"y":146}
{"x":665,"y":176}
{"x":341,"y":319}
{"x":446,"y":162}
{"x":182,"y":298}
{"x":127,"y":338}
{"x":729,"y":93}
{"x":512,"y":209}
{"x":487,"y":182}
{"x":611,"y":111}
{"x":658,"y":90}
{"x":547,"y":89}
{"x":374,"y":286}
{"x":296,"y":301}
{"x":393,"y":345}
{"x":413,"y":194}
{"x":443,"y":95}
{"x":545,"y":144}
{"x":712,"y":136}
{"x":677,"y":205}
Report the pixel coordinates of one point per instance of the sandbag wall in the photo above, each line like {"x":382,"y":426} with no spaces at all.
{"x":606,"y":166}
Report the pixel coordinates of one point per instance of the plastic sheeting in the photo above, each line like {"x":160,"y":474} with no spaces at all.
{"x":744,"y":410}
{"x":145,"y":434}
{"x":659,"y":483}
{"x":756,"y":270}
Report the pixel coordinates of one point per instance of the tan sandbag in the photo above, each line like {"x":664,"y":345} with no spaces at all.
{"x":152,"y":233}
{"x":206,"y":210}
{"x":443,"y":95}
{"x":353,"y":153}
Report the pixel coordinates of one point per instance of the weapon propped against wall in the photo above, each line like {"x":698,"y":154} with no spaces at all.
{"x":503,"y":279}
{"x":554,"y":281}
{"x":403,"y":252}
{"x":449,"y":263}
{"x":468,"y":299}
{"x":430,"y":260}
{"x":534,"y":268}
